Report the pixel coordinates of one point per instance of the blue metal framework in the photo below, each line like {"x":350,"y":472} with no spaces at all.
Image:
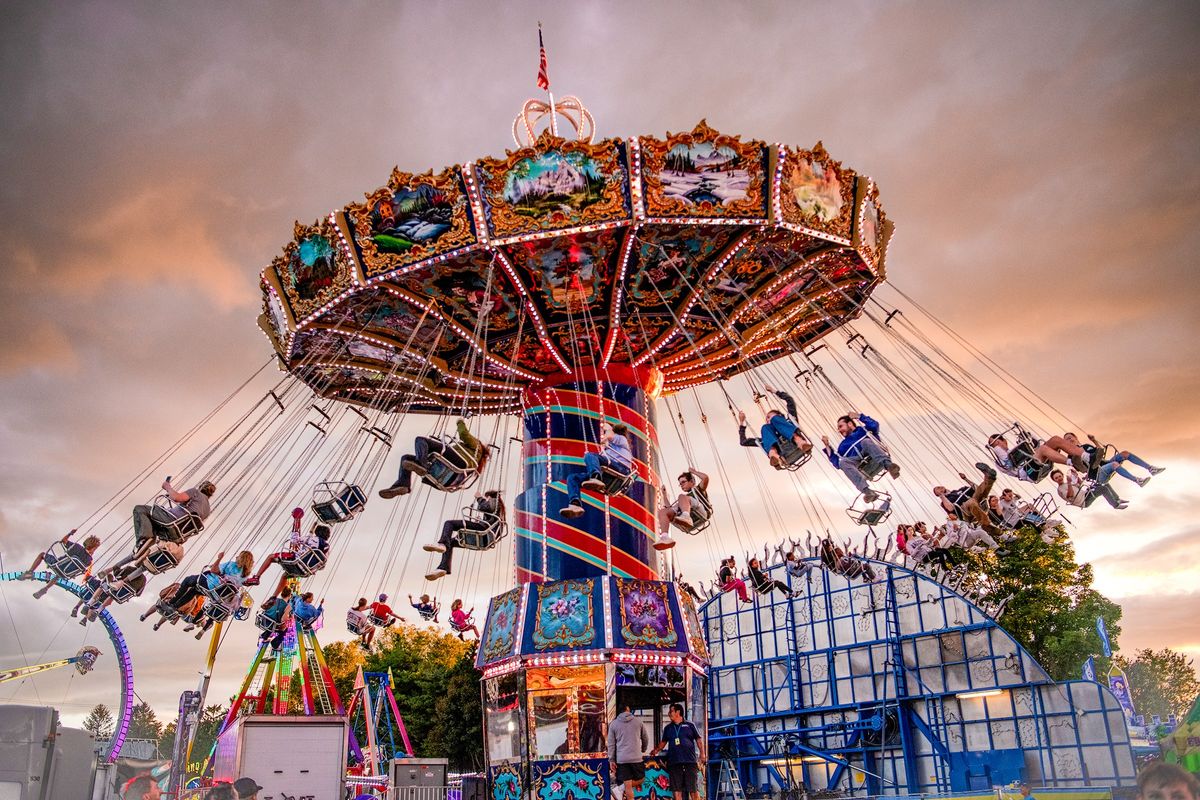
{"x":897,"y":686}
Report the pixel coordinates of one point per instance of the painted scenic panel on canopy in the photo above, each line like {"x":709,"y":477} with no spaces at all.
{"x":274,"y":314}
{"x":472,"y":288}
{"x":383,"y":313}
{"x":816,"y":192}
{"x":563,"y":615}
{"x":413,"y":218}
{"x":670,"y":261}
{"x":704,"y":174}
{"x":568,"y":272}
{"x":552,"y":185}
{"x":646,"y":618}
{"x":313,"y":268}
{"x":873,"y":229}
{"x":753,"y":267}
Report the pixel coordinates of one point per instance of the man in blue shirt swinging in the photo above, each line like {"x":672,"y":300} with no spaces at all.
{"x":685,"y":754}
{"x":859,"y":443}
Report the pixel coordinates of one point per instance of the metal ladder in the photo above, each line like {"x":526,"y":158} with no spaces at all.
{"x":729,"y":778}
{"x":320,"y":692}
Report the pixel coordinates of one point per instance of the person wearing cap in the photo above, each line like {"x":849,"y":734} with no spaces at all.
{"x":246,"y":788}
{"x":382,"y":612}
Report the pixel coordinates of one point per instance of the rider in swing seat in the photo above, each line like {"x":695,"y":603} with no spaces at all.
{"x":421,"y":460}
{"x":614,"y":454}
{"x":491,"y":513}
{"x":780,"y":436}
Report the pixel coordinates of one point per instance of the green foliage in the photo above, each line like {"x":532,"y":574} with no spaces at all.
{"x":1161,"y":682}
{"x":100,"y":722}
{"x":435,"y":684}
{"x":144,"y":724}
{"x":1053,"y":607}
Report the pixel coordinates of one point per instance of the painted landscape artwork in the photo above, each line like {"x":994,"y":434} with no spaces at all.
{"x":553,"y":181}
{"x":312,"y":267}
{"x":817,"y":190}
{"x":409,"y":217}
{"x":701,"y":173}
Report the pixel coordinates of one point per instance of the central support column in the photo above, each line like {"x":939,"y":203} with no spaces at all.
{"x":562,"y":422}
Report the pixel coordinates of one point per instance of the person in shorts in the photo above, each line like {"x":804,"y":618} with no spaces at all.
{"x":627,"y":743}
{"x":685,"y":753}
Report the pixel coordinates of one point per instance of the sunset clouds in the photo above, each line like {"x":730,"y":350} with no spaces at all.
{"x":1039,"y":160}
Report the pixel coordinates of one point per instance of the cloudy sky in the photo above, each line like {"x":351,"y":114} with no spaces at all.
{"x":1039,"y":160}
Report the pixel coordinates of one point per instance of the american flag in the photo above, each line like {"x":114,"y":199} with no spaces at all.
{"x":543,"y":75}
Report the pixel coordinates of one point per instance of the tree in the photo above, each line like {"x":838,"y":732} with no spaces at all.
{"x":1162,"y":682}
{"x":428,"y":668}
{"x":457,"y":732}
{"x":144,"y":724}
{"x":1053,"y":607}
{"x":100,"y":722}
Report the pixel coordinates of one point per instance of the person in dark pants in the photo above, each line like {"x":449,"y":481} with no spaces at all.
{"x":685,"y":754}
{"x":763,"y":584}
{"x":420,"y":462}
{"x":491,"y":509}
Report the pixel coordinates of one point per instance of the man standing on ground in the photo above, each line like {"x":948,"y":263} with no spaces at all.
{"x":246,"y":788}
{"x":627,"y":744}
{"x":685,"y":754}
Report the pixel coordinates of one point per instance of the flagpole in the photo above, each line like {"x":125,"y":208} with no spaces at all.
{"x":545,"y":71}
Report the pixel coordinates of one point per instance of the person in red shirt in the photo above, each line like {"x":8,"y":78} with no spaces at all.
{"x":382,"y":612}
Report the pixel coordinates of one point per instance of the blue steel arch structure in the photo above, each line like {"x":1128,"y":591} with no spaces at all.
{"x":896,"y":686}
{"x":124,"y":661}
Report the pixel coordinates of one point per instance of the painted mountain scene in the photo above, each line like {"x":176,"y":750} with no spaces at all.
{"x":410,"y":217}
{"x":553,"y":181}
{"x":698,"y":173}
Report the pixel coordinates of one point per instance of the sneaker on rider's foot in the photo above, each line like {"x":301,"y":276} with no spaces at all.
{"x":40,"y":593}
{"x":414,"y":466}
{"x":893,"y":470}
{"x":251,"y":581}
{"x":437,"y":573}
{"x":392,"y":491}
{"x":1142,"y":481}
{"x":436,"y":547}
{"x":986,"y":470}
{"x":664,"y":542}
{"x":1157,"y":470}
{"x":685,"y":521}
{"x":572,"y":510}
{"x":869,"y":496}
{"x":1121,"y":506}
{"x":593,"y":482}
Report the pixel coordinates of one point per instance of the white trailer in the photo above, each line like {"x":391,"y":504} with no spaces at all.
{"x":292,"y":758}
{"x":27,"y":735}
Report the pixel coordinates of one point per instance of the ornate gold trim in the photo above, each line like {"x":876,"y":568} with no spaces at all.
{"x":654,"y":157}
{"x":504,"y":221}
{"x":791,"y":213}
{"x":450,"y":182}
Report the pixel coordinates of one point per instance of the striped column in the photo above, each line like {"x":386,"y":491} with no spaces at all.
{"x":562,"y":422}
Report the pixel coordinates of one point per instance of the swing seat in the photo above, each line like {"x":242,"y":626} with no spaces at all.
{"x":304,"y":563}
{"x":466,"y":626}
{"x":160,"y":559}
{"x":337,"y":501}
{"x":480,"y":540}
{"x":447,"y":475}
{"x":120,"y":592}
{"x":180,"y":528}
{"x":224,"y":592}
{"x":616,"y":483}
{"x":164,"y":608}
{"x":377,"y":621}
{"x":871,"y":468}
{"x":427,"y":615}
{"x":217,"y":612}
{"x":266,"y":623}
{"x":870,"y":513}
{"x":794,"y":457}
{"x":356,"y":624}
{"x":62,"y":563}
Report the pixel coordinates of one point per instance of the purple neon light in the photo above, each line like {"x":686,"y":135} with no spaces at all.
{"x":124,"y":661}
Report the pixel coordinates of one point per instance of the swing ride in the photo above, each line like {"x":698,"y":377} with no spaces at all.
{"x":570,"y":289}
